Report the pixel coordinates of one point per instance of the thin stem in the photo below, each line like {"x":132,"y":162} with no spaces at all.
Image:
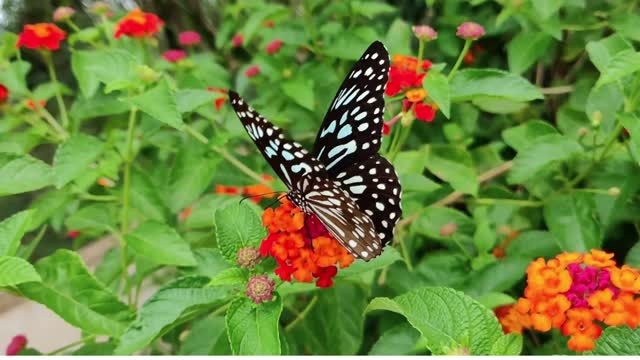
{"x":557,"y":90}
{"x":302,"y":314}
{"x":238,"y":164}
{"x":402,"y":138}
{"x":420,"y":55}
{"x":87,"y":196}
{"x":465,"y":49}
{"x":522,"y":203}
{"x":193,"y":132}
{"x":62,"y":133}
{"x":405,"y":254}
{"x":124,"y":215}
{"x":72,"y":25}
{"x":61,"y":107}
{"x":462,"y":248}
{"x":221,"y":309}
{"x":72,"y":345}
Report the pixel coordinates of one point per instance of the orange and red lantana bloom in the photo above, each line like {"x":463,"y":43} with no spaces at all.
{"x":138,"y":24}
{"x":578,"y":294}
{"x":43,"y":36}
{"x":302,"y":247}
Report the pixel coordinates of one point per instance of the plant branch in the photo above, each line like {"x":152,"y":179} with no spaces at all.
{"x":465,"y":49}
{"x":238,"y":164}
{"x":61,"y":107}
{"x":124,"y":215}
{"x":302,"y":314}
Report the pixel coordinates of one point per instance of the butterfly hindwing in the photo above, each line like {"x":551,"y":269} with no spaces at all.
{"x":287,"y":158}
{"x":374,"y":185}
{"x":352,"y":128}
{"x":342,"y":217}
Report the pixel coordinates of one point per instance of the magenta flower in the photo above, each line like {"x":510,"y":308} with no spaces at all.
{"x":189,"y":38}
{"x":424,"y":32}
{"x":273,"y":47}
{"x":237,"y":40}
{"x":260,"y":288}
{"x":174,"y":55}
{"x":586,"y":281}
{"x":470,"y":30}
{"x":252,"y":71}
{"x":17,"y":344}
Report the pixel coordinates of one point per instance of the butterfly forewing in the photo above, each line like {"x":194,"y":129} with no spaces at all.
{"x":342,"y":217}
{"x":287,"y":158}
{"x":352,"y":127}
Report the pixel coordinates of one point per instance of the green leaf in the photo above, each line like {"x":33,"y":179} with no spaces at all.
{"x":160,"y":244}
{"x":633,"y":256}
{"x":619,"y":341}
{"x":99,"y":105}
{"x":621,"y":64}
{"x":14,"y":77}
{"x":602,"y":51}
{"x":159,"y":103}
{"x":497,"y":277}
{"x":14,"y":271}
{"x":335,"y":324}
{"x":11,"y":231}
{"x":161,"y":312}
{"x":398,"y":38}
{"x":471,"y":83}
{"x":526,"y":48}
{"x":533,"y":244}
{"x":572,"y":220}
{"x":237,"y":226}
{"x":371,"y":9}
{"x":625,"y":24}
{"x":547,"y":8}
{"x":519,"y":137}
{"x":145,"y":197}
{"x":20,"y":174}
{"x":189,"y":100}
{"x":109,"y":66}
{"x":253,"y":329}
{"x":96,"y":217}
{"x":398,"y":340}
{"x":8,"y":44}
{"x":190,"y":176}
{"x":492,"y":300}
{"x":209,"y":261}
{"x":47,"y":205}
{"x":454,"y":165}
{"x":449,"y":321}
{"x":74,"y":156}
{"x":203,"y":336}
{"x":69,"y":290}
{"x":300,"y":90}
{"x":437,"y":87}
{"x":389,"y":256}
{"x":432,"y":219}
{"x":542,"y":152}
{"x":508,"y":344}
{"x":632,"y":123}
{"x":496,"y":105}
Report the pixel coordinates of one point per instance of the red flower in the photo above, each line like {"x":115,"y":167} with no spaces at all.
{"x":189,"y":38}
{"x":219,"y":102}
{"x":32,"y":105}
{"x":4,"y":94}
{"x":273,"y":47}
{"x":43,"y":36}
{"x":228,"y":190}
{"x":252,"y":71}
{"x":424,"y":112}
{"x":325,"y":276}
{"x":138,"y":24}
{"x":72,"y":234}
{"x":237,"y":40}
{"x":174,"y":55}
{"x":386,"y":129}
{"x":16,"y":345}
{"x":267,"y":24}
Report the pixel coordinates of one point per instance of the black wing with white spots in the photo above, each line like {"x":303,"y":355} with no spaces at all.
{"x":374,"y":185}
{"x":342,"y":217}
{"x":287,"y":158}
{"x":352,"y":128}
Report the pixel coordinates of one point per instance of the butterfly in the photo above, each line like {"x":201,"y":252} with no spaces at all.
{"x":343,"y":181}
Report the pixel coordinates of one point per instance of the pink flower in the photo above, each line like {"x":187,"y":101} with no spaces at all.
{"x":189,"y":38}
{"x":470,"y":30}
{"x":424,"y":32}
{"x":237,"y":40}
{"x":73,"y":234}
{"x":260,"y":288}
{"x":63,"y":13}
{"x":17,"y":344}
{"x":174,"y":55}
{"x":274,"y":46}
{"x":252,"y":71}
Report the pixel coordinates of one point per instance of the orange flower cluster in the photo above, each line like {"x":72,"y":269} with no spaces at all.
{"x":578,"y":294}
{"x":138,"y":24}
{"x":257,"y":192}
{"x":43,"y":36}
{"x":301,"y":246}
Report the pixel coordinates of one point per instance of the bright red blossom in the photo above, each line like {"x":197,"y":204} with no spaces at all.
{"x":43,"y":36}
{"x":252,"y":71}
{"x":138,"y":24}
{"x":17,"y":344}
{"x":189,"y":38}
{"x":221,"y":100}
{"x":237,"y":40}
{"x":174,"y":55}
{"x":273,"y":47}
{"x":4,"y":94}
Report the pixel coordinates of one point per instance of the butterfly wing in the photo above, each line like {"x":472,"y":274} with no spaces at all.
{"x":342,"y":217}
{"x":287,"y":158}
{"x":352,"y":128}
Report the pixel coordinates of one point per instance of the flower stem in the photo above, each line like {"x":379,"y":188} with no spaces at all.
{"x":302,"y":314}
{"x":54,"y":79}
{"x":238,"y":164}
{"x":88,"y":196}
{"x":124,"y":215}
{"x":51,"y":120}
{"x":522,"y":203}
{"x":420,"y":55}
{"x":465,"y":49}
{"x":193,"y":132}
{"x":71,"y":345}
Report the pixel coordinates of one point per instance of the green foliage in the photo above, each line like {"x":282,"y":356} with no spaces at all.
{"x":534,"y":150}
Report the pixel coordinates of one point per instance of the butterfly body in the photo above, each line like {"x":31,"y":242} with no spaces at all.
{"x":344,"y":182}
